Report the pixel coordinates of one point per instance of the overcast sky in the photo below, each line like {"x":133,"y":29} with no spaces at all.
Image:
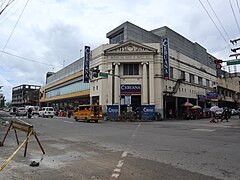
{"x":53,"y":31}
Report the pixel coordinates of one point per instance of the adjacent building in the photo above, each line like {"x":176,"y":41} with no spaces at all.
{"x":150,"y":71}
{"x":25,"y":94}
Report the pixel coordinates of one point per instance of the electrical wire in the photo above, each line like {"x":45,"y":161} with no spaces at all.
{"x":218,"y":20}
{"x":3,"y":2}
{"x":14,"y":28}
{"x":214,"y":23}
{"x":234,"y":15}
{"x":3,"y":15}
{"x":238,"y":6}
{"x":29,"y":59}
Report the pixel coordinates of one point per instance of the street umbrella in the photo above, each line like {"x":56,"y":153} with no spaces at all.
{"x":196,"y":107}
{"x":187,"y":104}
{"x":214,"y":108}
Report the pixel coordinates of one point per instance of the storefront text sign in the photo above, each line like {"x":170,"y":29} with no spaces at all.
{"x":130,"y":89}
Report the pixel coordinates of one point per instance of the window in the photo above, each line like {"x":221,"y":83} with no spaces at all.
{"x":207,"y":83}
{"x":191,"y":78}
{"x":117,"y":38}
{"x":183,"y":75}
{"x":200,"y":81}
{"x":131,"y":69}
{"x":171,"y":72}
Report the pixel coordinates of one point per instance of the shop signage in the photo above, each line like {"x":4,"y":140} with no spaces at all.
{"x":112,"y":111}
{"x":166,"y":67}
{"x":86,"y":74}
{"x":212,"y":95}
{"x":148,"y":112}
{"x":201,"y":98}
{"x":130,"y":88}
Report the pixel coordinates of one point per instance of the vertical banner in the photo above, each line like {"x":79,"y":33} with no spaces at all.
{"x":86,"y":74}
{"x":166,"y":67}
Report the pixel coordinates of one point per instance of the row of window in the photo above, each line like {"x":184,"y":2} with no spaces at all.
{"x":133,"y":69}
{"x":71,"y":88}
{"x":118,"y":38}
{"x":191,"y":78}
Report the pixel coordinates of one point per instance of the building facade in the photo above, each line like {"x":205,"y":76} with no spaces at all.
{"x":65,"y":88}
{"x":25,"y":94}
{"x":132,"y":77}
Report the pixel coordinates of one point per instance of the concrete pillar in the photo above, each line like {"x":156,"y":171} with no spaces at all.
{"x":110,"y":89}
{"x":151,"y":84}
{"x":116,"y":85}
{"x":144,"y":85}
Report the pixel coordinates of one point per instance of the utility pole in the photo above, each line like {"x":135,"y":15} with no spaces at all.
{"x":234,"y":42}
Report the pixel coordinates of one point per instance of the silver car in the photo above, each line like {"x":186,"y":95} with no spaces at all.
{"x":21,"y":111}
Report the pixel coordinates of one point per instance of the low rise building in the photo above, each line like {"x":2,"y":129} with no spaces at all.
{"x":25,"y":94}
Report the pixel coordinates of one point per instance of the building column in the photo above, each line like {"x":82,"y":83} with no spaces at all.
{"x":117,"y":85}
{"x":144,"y":85}
{"x":151,"y":84}
{"x":110,"y":88}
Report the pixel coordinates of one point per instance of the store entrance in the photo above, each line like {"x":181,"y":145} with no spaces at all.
{"x":135,"y":104}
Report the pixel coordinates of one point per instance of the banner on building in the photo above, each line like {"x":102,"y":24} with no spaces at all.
{"x":130,"y":89}
{"x":147,"y":112}
{"x":86,"y":73}
{"x":112,"y":111}
{"x":212,"y":95}
{"x":201,"y":98}
{"x":165,"y":50}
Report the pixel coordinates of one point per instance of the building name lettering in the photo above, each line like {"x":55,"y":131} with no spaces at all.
{"x":130,"y":48}
{"x":123,"y":87}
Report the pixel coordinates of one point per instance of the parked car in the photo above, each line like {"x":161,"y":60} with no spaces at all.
{"x":46,"y":112}
{"x":21,"y":111}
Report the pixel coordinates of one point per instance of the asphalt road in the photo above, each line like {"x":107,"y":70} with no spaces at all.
{"x":173,"y":149}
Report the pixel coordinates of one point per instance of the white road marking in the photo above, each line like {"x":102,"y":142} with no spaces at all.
{"x":204,"y":130}
{"x":120,"y":164}
{"x":117,"y":170}
{"x":124,"y":154}
{"x":114,"y":175}
{"x":68,"y":122}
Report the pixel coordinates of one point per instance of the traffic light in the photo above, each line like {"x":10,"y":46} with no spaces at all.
{"x":218,"y":63}
{"x":95,"y":72}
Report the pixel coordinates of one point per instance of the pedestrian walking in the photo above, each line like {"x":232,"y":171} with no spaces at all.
{"x":213,"y":117}
{"x":225,"y":115}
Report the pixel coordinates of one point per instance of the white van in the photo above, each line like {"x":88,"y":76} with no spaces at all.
{"x":46,"y":112}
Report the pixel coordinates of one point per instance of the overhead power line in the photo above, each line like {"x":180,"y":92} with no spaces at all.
{"x":214,"y":23}
{"x":234,"y":15}
{"x":218,"y":20}
{"x":4,"y":8}
{"x":238,"y":7}
{"x":14,"y":28}
{"x":35,"y":61}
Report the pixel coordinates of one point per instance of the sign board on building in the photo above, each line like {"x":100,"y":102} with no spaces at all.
{"x":212,"y":95}
{"x":165,"y":50}
{"x":86,"y":73}
{"x":130,"y":89}
{"x":112,"y":111}
{"x":148,"y":112}
{"x":201,"y":98}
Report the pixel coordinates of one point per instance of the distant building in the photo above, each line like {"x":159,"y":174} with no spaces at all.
{"x":25,"y":95}
{"x":228,"y":89}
